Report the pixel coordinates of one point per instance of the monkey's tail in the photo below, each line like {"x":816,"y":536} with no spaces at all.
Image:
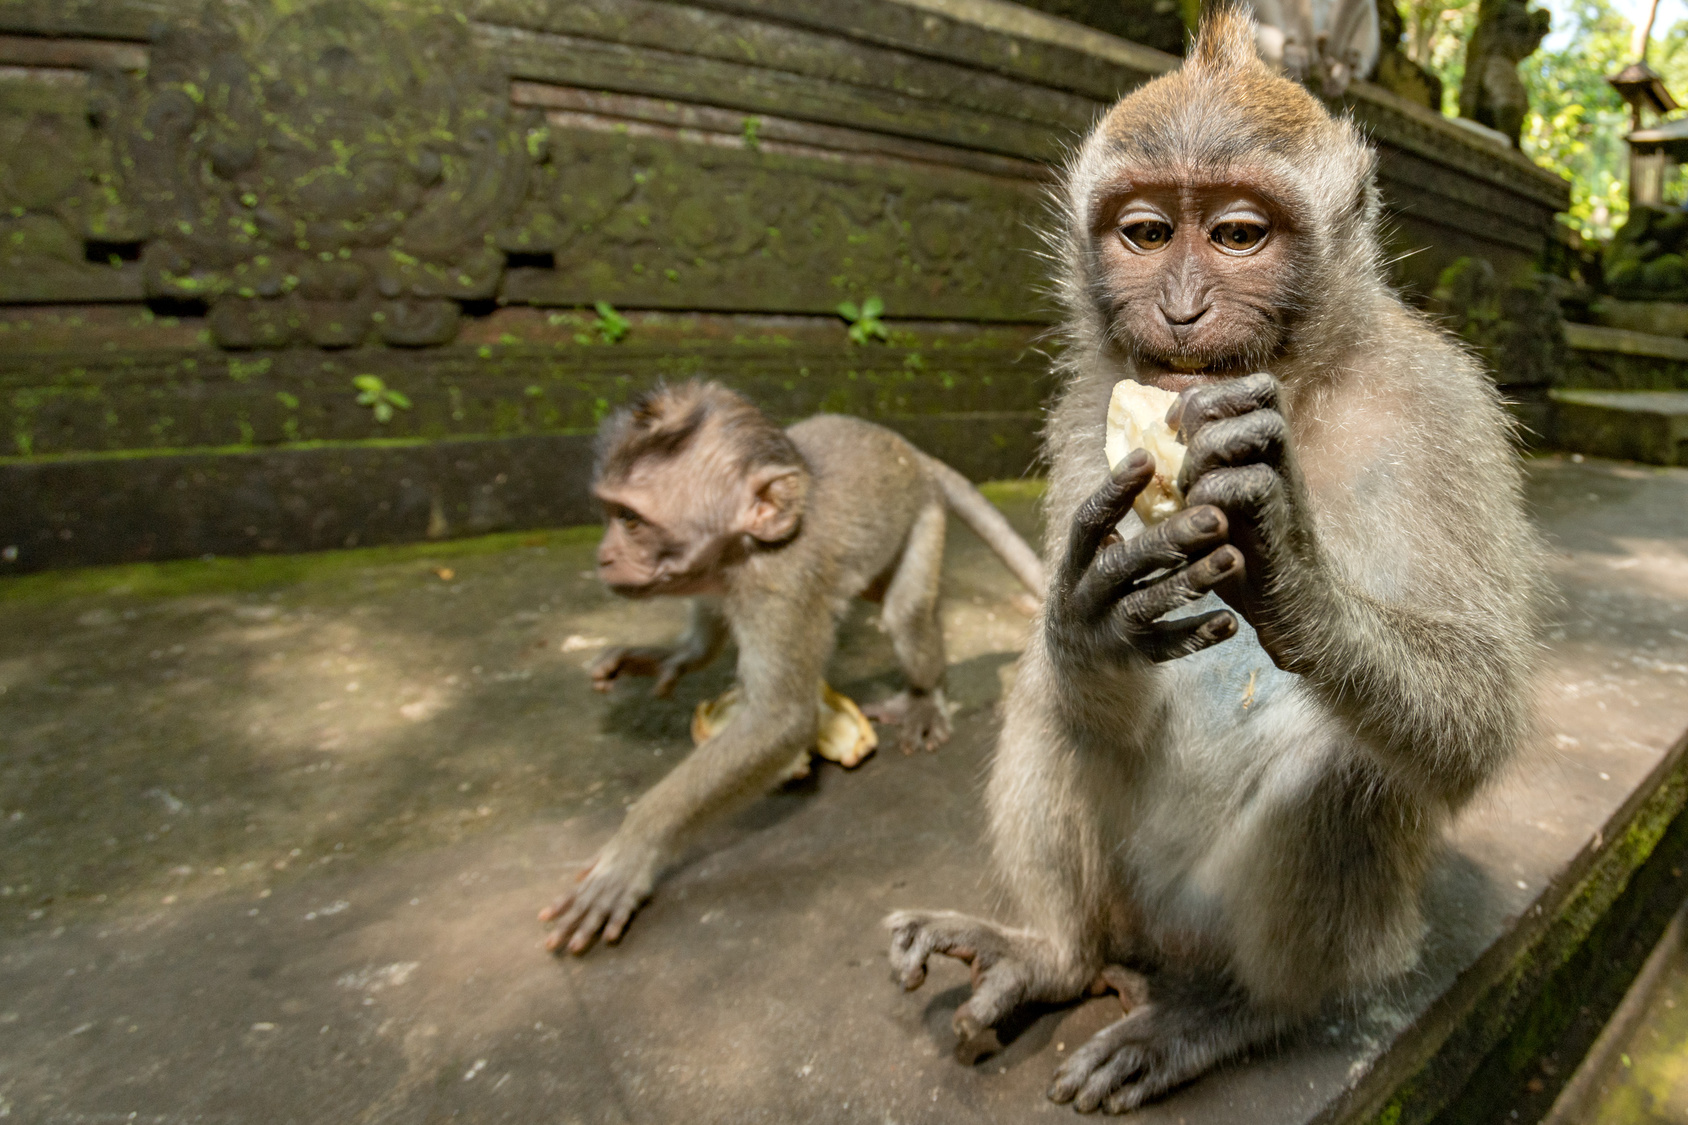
{"x":990,"y":525}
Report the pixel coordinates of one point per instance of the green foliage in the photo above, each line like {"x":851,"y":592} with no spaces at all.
{"x":752,"y":139}
{"x":1577,"y":122}
{"x":612,"y":326}
{"x":1436,"y":32}
{"x":864,"y":320}
{"x":374,"y":393}
{"x":1645,"y":259}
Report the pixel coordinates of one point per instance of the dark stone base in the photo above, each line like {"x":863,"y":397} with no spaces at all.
{"x":86,"y":511}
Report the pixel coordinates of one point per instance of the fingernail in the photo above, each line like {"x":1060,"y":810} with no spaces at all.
{"x":1205,"y":519}
{"x":1175,"y":413}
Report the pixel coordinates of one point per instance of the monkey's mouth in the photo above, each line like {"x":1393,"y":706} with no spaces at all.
{"x":1176,"y":373}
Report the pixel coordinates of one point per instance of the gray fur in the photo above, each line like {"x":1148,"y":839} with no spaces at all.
{"x":872,"y":523}
{"x":1255,"y":838}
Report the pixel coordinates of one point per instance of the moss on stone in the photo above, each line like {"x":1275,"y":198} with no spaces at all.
{"x":261,"y":572}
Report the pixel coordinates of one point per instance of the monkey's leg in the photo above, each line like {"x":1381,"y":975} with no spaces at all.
{"x":1183,"y":1030}
{"x":910,"y":614}
{"x":1010,"y":967}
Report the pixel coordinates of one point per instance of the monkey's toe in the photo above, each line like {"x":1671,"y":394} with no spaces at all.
{"x":1149,"y":1052}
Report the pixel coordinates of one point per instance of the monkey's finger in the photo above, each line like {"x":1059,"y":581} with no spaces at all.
{"x":1096,"y":517}
{"x":915,"y":936}
{"x":670,"y":675}
{"x":1185,"y":636}
{"x":1179,"y":588}
{"x":1252,"y":497}
{"x":1156,"y":1079}
{"x":607,"y":664}
{"x":569,"y":919}
{"x":1110,"y":1076}
{"x":1198,"y":406}
{"x":1244,"y":494}
{"x":1259,"y":437}
{"x":1094,"y":1054}
{"x":586,"y":932}
{"x":999,"y":990}
{"x":1167,"y":545}
{"x":617,"y":925}
{"x":908,"y":953}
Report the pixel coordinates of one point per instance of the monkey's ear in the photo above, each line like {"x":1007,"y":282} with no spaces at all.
{"x":774,"y":507}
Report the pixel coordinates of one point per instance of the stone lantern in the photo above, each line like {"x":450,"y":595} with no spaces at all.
{"x":1649,"y":149}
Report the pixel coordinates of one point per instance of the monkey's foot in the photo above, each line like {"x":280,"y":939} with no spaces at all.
{"x":1010,"y":968}
{"x":1158,"y":1045}
{"x":608,"y":893}
{"x":923,"y":718}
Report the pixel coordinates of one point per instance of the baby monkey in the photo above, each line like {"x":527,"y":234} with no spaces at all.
{"x":770,"y":532}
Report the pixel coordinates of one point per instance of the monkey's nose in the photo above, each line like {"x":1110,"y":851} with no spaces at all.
{"x":1183,"y":316}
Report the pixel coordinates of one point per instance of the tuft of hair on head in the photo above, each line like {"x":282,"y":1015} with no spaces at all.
{"x":1224,"y":42}
{"x":664,"y":421}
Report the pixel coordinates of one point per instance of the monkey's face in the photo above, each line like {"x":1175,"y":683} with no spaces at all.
{"x":1196,"y":279}
{"x":659,"y":538}
{"x":677,"y":526}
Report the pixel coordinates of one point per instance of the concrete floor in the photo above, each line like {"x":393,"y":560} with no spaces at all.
{"x":273,"y":834}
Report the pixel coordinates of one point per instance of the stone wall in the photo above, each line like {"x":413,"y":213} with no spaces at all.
{"x":264,"y":246}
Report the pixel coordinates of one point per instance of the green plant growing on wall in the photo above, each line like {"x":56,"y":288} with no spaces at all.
{"x":864,"y":320}
{"x":612,"y":326}
{"x":372,"y":392}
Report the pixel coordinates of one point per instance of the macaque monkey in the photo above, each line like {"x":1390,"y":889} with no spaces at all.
{"x":771,"y":532}
{"x":1336,"y":41}
{"x":1235,"y":738}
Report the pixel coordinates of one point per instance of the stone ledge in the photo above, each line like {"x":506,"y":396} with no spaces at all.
{"x":84,"y":510}
{"x":1650,"y":426}
{"x":1625,"y":341}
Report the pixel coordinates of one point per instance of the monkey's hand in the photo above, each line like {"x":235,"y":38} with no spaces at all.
{"x":604,"y":898}
{"x":1109,"y":597}
{"x":1240,"y":462}
{"x":666,"y":664}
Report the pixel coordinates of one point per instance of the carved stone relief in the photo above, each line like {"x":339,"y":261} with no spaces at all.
{"x":58,"y":186}
{"x":324,"y":177}
{"x":653,"y":222}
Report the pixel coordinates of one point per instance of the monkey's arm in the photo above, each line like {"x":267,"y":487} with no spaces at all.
{"x":700,"y":643}
{"x":783,"y":648}
{"x":1428,"y":675}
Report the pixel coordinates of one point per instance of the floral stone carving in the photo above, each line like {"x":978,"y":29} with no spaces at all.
{"x":326,"y":176}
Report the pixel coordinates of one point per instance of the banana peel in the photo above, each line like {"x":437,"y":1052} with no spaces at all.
{"x":845,"y":736}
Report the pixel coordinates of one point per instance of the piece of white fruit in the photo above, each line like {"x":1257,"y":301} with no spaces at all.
{"x":1137,"y":420}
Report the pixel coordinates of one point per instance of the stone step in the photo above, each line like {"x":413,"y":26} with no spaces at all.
{"x":1613,"y":358}
{"x":1636,"y":1056}
{"x":89,"y":509}
{"x":1650,"y":426}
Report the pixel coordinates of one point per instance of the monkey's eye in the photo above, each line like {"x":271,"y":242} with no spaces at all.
{"x":1150,"y":234}
{"x":1238,"y":237}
